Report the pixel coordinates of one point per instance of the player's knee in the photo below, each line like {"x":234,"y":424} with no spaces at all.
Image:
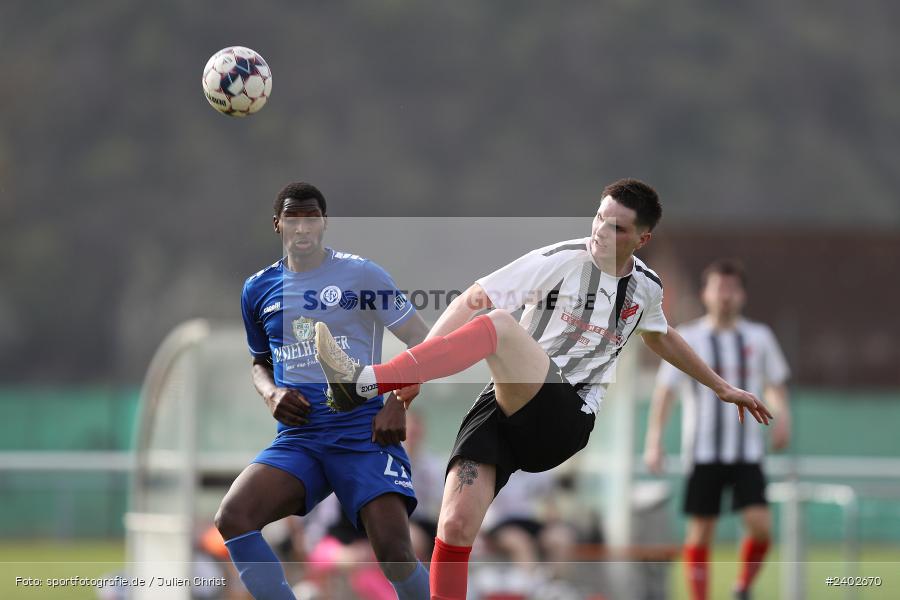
{"x":761,"y":532}
{"x":761,"y":536}
{"x":502,"y":321}
{"x":457,"y":529}
{"x":700,"y":531}
{"x":758,"y":524}
{"x":232,"y":522}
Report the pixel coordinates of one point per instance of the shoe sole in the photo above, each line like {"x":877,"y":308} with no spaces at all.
{"x":326,"y":348}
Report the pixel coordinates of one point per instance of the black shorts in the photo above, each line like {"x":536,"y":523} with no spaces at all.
{"x":703,"y":494}
{"x":544,"y":433}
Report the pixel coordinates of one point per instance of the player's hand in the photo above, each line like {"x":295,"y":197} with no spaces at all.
{"x":389,"y":425}
{"x":781,"y":434}
{"x":288,"y":406}
{"x":407,"y":394}
{"x":653,"y":458}
{"x":746,"y":401}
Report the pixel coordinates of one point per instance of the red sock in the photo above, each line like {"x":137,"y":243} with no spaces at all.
{"x":439,"y":357}
{"x":449,"y":571}
{"x":752,"y":553}
{"x":696,"y":568}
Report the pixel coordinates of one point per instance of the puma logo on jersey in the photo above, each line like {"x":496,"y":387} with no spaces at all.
{"x":609,"y":295}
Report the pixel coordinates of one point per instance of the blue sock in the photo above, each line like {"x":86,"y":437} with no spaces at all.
{"x":415,"y":587}
{"x":259,"y":568}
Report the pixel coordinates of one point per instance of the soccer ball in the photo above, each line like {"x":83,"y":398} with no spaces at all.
{"x":237,"y":81}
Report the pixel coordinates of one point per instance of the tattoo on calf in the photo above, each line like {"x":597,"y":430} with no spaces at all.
{"x":466,"y":473}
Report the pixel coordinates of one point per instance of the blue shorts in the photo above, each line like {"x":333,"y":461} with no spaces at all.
{"x":357,"y":473}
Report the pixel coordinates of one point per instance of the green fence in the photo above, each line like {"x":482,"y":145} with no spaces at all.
{"x":76,"y":504}
{"x":37,"y":418}
{"x":64,"y":504}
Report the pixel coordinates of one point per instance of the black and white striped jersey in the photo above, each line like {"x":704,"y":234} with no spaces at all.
{"x":747,"y":356}
{"x":579,"y":315}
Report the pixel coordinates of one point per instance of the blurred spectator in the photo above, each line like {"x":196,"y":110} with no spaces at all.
{"x":339,"y":558}
{"x":524,"y":526}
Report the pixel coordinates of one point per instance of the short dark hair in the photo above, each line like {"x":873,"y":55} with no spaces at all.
{"x":639,"y":197}
{"x":299,"y":190}
{"x":724,"y":266}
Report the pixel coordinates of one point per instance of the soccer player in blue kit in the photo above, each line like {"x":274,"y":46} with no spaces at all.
{"x":318,"y":450}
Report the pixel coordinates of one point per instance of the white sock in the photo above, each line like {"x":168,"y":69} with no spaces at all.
{"x":366,"y":385}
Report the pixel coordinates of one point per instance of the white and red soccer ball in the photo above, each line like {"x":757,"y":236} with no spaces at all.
{"x":237,"y":81}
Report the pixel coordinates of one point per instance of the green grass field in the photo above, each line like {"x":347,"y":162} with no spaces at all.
{"x":92,"y":559}
{"x":44,"y":560}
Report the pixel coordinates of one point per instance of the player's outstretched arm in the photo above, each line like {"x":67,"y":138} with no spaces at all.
{"x":671,"y":347}
{"x":286,"y":405}
{"x":660,"y":407}
{"x":777,"y":397}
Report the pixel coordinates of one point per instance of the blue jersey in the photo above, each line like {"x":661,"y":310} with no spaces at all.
{"x":355,"y":297}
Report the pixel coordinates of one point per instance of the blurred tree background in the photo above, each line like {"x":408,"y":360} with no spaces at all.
{"x":128,"y":205}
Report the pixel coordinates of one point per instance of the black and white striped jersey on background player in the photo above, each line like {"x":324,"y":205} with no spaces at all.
{"x":579,"y":315}
{"x":748,"y":357}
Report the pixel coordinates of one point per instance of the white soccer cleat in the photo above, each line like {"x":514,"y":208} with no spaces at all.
{"x":341,"y":372}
